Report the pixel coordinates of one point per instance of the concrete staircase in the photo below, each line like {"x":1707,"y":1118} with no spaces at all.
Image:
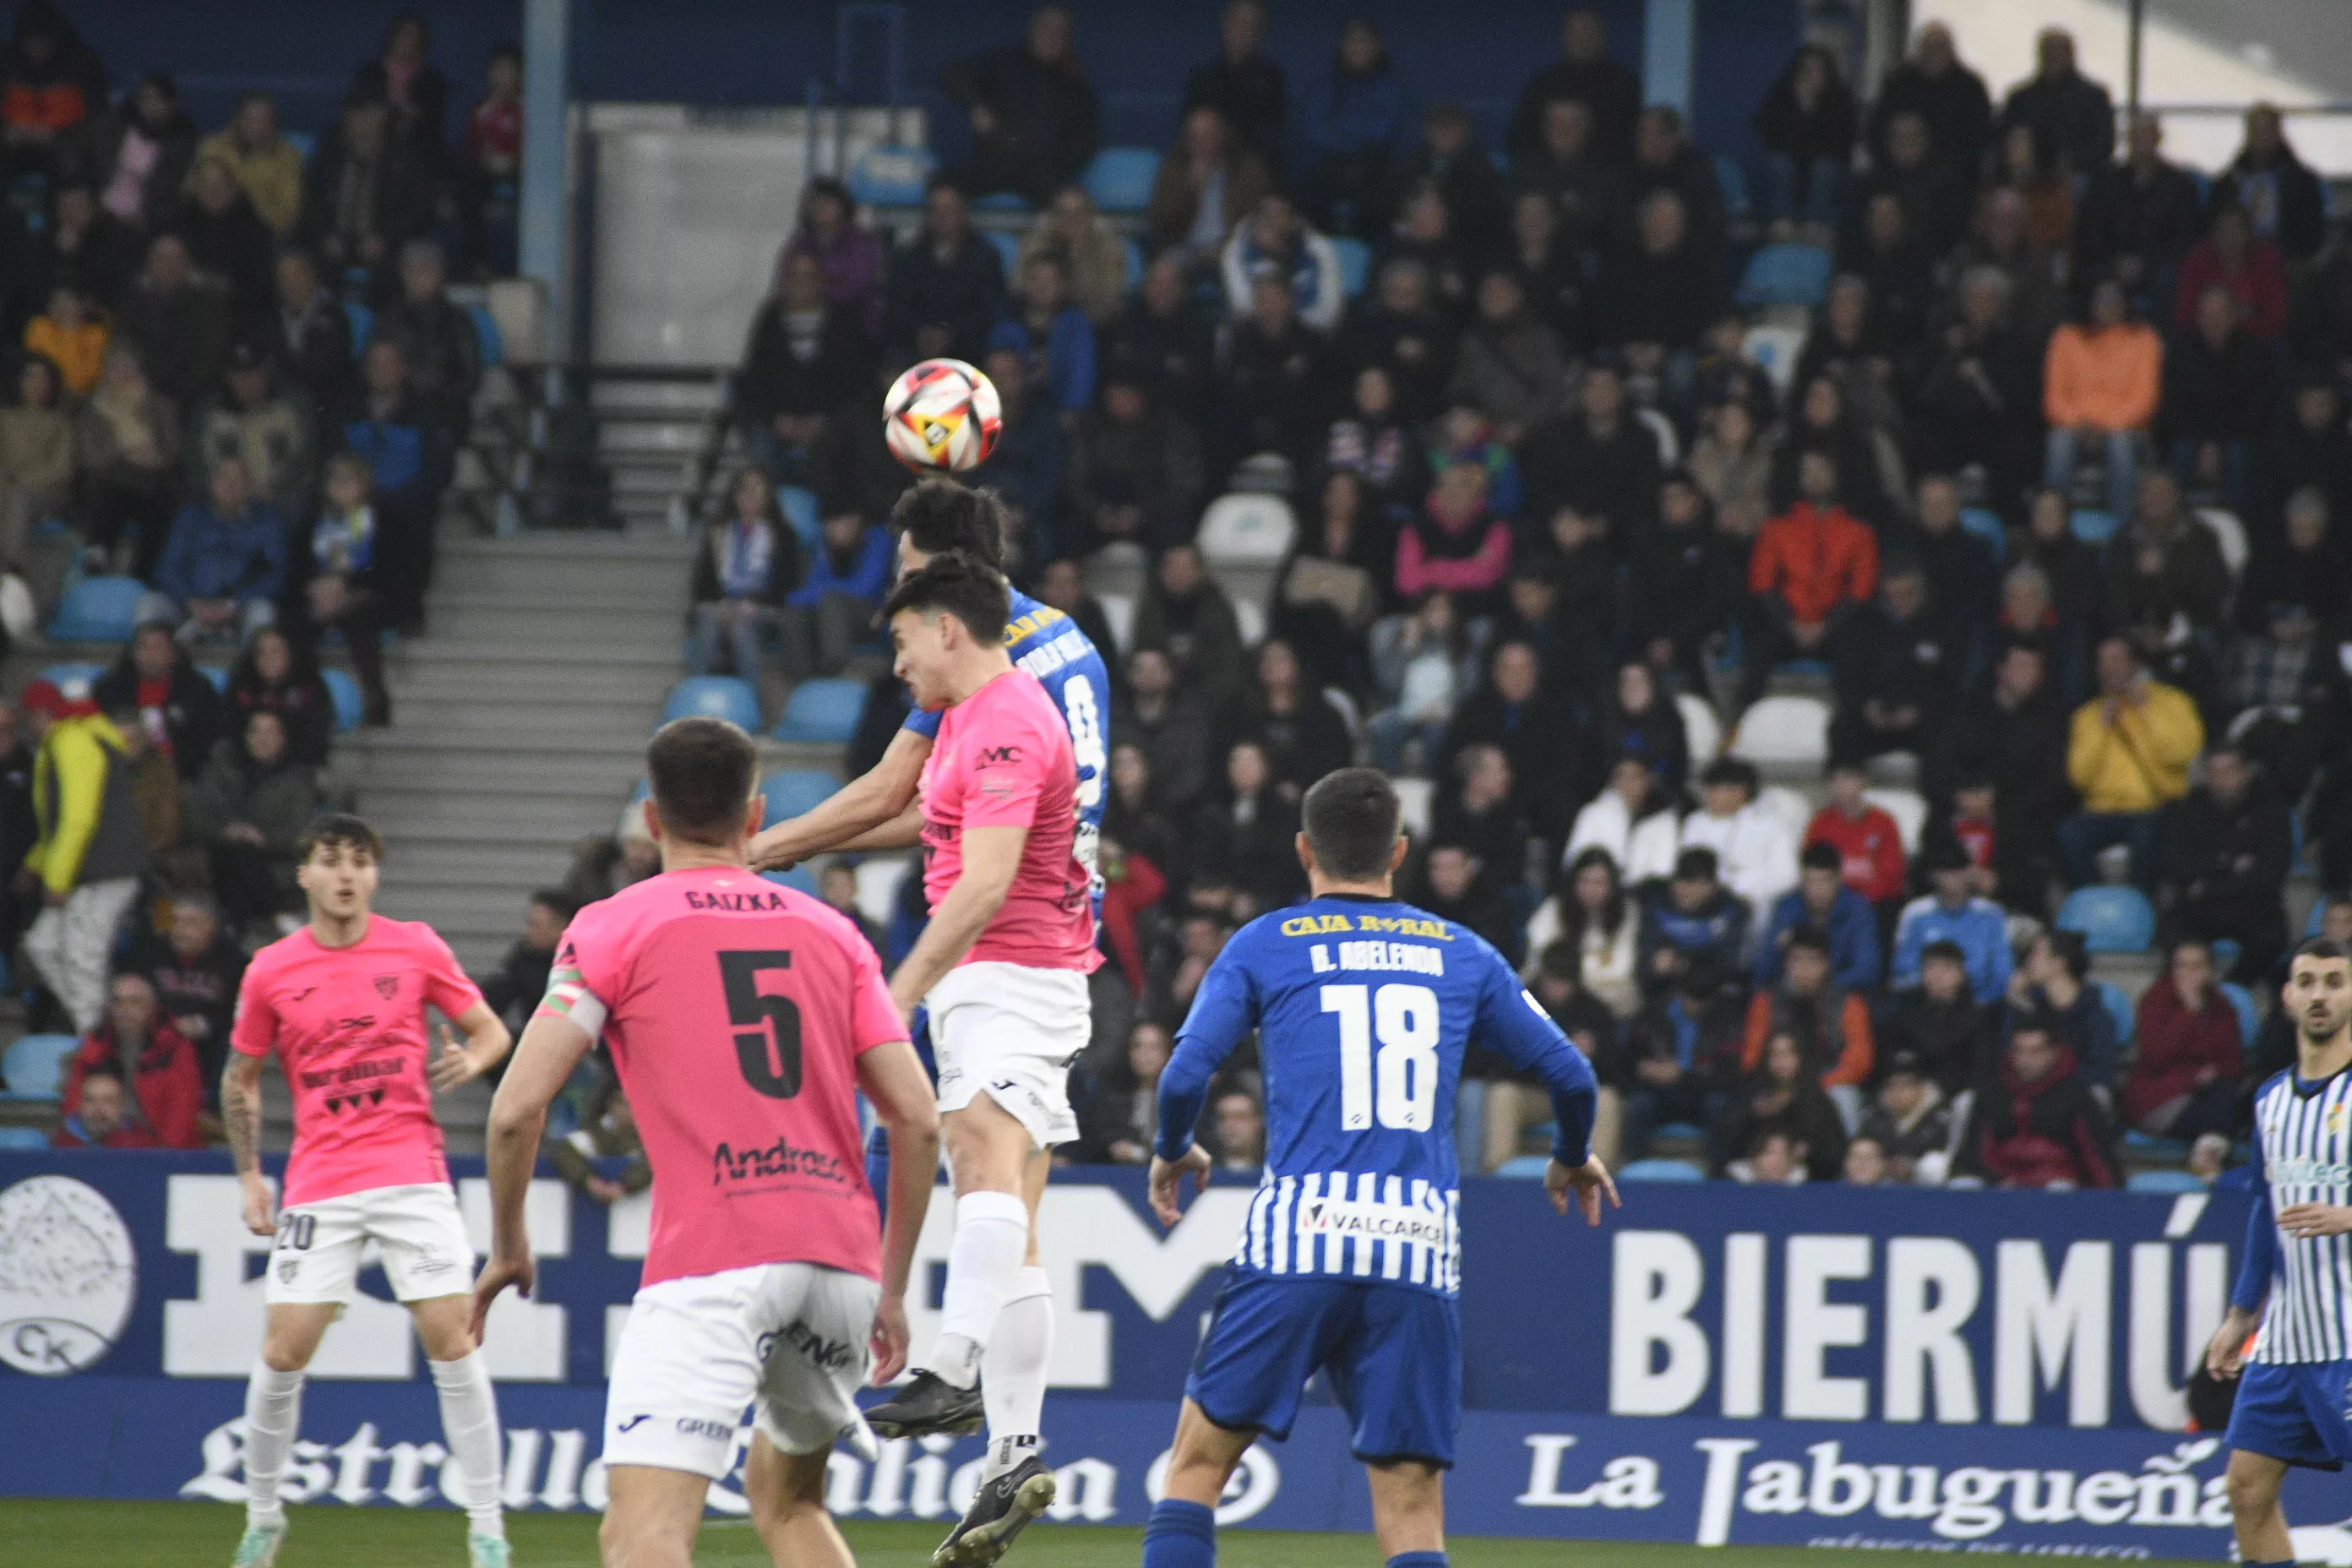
{"x":519,"y":720}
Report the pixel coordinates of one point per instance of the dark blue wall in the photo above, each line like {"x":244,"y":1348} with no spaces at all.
{"x":749,"y":52}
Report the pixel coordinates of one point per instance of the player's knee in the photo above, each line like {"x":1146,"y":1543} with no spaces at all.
{"x":631,"y":1542}
{"x":2253,"y":1487}
{"x":280,"y":1356}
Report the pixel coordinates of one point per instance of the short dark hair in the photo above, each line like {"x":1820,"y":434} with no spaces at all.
{"x":1696,"y":863}
{"x":940,"y":515}
{"x":2320,"y":948}
{"x":556,"y":903}
{"x":702,"y":771}
{"x":1811,"y":938}
{"x":1732,"y":771}
{"x":2072,"y":950}
{"x":958,"y":584}
{"x":105,"y":1069}
{"x":1352,"y":818}
{"x":339,"y":827}
{"x":1948,"y":951}
{"x":1822,"y":855}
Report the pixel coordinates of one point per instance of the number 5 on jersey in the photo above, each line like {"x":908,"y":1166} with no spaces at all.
{"x":1404,"y":1020}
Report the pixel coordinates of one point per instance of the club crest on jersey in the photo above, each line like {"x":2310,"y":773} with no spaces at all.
{"x":386,"y":985}
{"x":2336,"y":1114}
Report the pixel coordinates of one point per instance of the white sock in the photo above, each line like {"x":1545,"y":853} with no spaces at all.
{"x":273,"y":1410}
{"x":991,"y":1234}
{"x":469,"y":1419}
{"x":1013,"y":1371}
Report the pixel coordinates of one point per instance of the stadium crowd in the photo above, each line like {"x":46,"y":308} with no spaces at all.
{"x":2036,"y":479}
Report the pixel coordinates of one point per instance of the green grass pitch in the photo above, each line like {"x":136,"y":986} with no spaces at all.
{"x":77,"y":1534}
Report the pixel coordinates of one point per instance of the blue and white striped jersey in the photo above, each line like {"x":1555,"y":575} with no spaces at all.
{"x":1363,"y":1007}
{"x":2303,"y":1154}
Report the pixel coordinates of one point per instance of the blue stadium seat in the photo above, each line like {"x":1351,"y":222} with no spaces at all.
{"x":2119,"y":1009}
{"x":891,"y":176}
{"x":35,"y":1066}
{"x":1119,"y":178}
{"x":792,"y":792}
{"x":2112,"y":919}
{"x":1785,"y":274}
{"x":303,"y":142}
{"x":2092,"y":525}
{"x":1008,"y":250}
{"x":823,"y":712}
{"x":1525,"y":1168}
{"x":1662,"y":1171}
{"x":486,"y":332}
{"x":1002,"y":202}
{"x":2318,"y":917}
{"x":2149,"y":1147}
{"x":1681,"y":1132}
{"x":1134,"y":278}
{"x":98,"y":609}
{"x":724,"y":697}
{"x":800,"y":878}
{"x":218,"y":674}
{"x":799,"y":509}
{"x":2163,"y":1182}
{"x":351,"y":708}
{"x":2226,"y":953}
{"x":1732,"y":176}
{"x":362,"y":320}
{"x":1985,"y":524}
{"x":2249,"y":1019}
{"x":61,"y":674}
{"x":1355,"y":264}
{"x":21,"y":1140}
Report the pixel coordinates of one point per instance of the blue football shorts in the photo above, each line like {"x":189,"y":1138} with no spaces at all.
{"x":2295,"y":1411}
{"x":1393,"y":1355}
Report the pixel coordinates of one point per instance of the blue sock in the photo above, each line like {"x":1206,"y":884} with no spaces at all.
{"x":2282,"y":1563}
{"x":1181,"y":1535}
{"x":1418,"y":1560}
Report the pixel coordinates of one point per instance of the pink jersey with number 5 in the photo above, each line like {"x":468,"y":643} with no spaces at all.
{"x":736,"y":1011}
{"x":347,"y":1026}
{"x":1002,"y":759}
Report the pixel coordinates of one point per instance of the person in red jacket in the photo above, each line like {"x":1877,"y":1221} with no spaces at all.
{"x":1868,"y":841}
{"x":2240,"y":260}
{"x":145,"y":1050}
{"x":2185,"y":1080}
{"x":103,"y":1119}
{"x":2037,"y":1123}
{"x":1812,"y":566}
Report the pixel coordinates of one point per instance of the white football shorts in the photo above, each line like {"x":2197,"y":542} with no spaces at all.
{"x":789,"y":1338}
{"x":316,"y":1256}
{"x":1011,"y":1032}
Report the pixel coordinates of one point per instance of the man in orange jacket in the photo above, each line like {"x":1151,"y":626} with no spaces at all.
{"x":2102,"y":381}
{"x":1812,"y":566}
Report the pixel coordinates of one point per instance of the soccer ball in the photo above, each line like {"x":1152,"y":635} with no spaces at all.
{"x":942,"y":414}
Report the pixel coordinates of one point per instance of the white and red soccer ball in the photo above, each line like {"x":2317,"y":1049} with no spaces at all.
{"x":942,"y":414}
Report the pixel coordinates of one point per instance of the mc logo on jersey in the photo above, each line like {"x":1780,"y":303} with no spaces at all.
{"x":989,"y":756}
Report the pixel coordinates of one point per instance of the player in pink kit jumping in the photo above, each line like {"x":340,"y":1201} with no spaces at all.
{"x":342,"y":1003}
{"x":743,"y":1017}
{"x":1002,"y":968}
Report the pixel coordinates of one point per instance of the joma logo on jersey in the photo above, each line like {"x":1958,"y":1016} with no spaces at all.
{"x":992,"y":755}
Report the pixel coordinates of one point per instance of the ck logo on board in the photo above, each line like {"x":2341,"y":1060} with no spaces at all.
{"x":69,"y":1275}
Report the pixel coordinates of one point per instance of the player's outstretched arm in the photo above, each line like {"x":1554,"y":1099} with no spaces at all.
{"x":488,"y":1041}
{"x":879,"y":795}
{"x":240,"y":1101}
{"x":903,"y":831}
{"x":551,"y":1047}
{"x":903,"y":1100}
{"x":991,"y":857}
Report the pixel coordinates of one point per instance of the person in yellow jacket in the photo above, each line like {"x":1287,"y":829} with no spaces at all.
{"x":92,"y":848}
{"x":268,"y":167}
{"x":2127,"y":754}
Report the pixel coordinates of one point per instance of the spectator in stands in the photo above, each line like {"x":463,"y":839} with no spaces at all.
{"x":1271,"y":379}
{"x":1639,"y":720}
{"x":224,"y":563}
{"x":1513,"y":1101}
{"x":1812,"y":566}
{"x":1185,"y":614}
{"x":1272,"y":239}
{"x":1980,"y":402}
{"x":2227,"y":849}
{"x":1479,"y":807}
{"x":1051,"y":336}
{"x":1583,"y":72}
{"x":1354,"y":127}
{"x":36,"y":456}
{"x":83,"y":245}
{"x":1933,"y":194}
{"x":19,"y":825}
{"x":1135,"y":469}
{"x":271,"y":676}
{"x":1591,"y":917}
{"x":1947,"y":98}
{"x":2232,"y":255}
{"x":1533,"y":726}
{"x":411,"y":88}
{"x":1597,"y":458}
{"x":837,"y":887}
{"x":126,"y":444}
{"x":146,"y":1055}
{"x":1450,"y":163}
{"x":2277,"y":190}
{"x":195,"y":971}
{"x":248,"y":809}
{"x":1960,"y":566}
{"x":2068,"y":107}
{"x":1454,"y":544}
{"x":51,"y":82}
{"x":1897,"y":667}
{"x":849,"y":257}
{"x":103,"y":1119}
{"x":1708,"y":514}
{"x":1455,"y":885}
{"x":1865,"y":839}
{"x":1632,"y":821}
{"x":1751,"y":841}
{"x":1091,"y":252}
{"x":90,"y":853}
{"x":2037,"y":1123}
{"x":749,"y":561}
{"x":1584,"y":185}
{"x":1953,"y":913}
{"x":344,"y":588}
{"x":1690,"y":918}
{"x":1780,"y":1126}
{"x":226,"y":238}
{"x":2102,"y":383}
{"x":2139,"y":217}
{"x":490,"y":166}
{"x":2220,"y":396}
{"x":607,"y":1133}
{"x":71,"y":337}
{"x":2310,"y":449}
{"x":1424,"y":664}
{"x":514,"y":988}
{"x":409,"y":457}
{"x":362,"y":195}
{"x":946,"y":283}
{"x":1909,"y":1121}
{"x":1830,"y":1023}
{"x":1124,"y":1124}
{"x":1550,"y":271}
{"x":1377,"y":444}
{"x":1208,"y":182}
{"x":2127,"y":754}
{"x":439,"y":349}
{"x":1682,"y":1055}
{"x":136,"y":155}
{"x":1866,"y":1163}
{"x":2028,"y":167}
{"x":2283,"y":695}
{"x":1823,"y":902}
{"x":2075,"y":569}
{"x":2185,"y":1075}
{"x":1243,"y":84}
{"x":1509,"y":367}
{"x":177,"y":707}
{"x":1034,"y":118}
{"x":250,"y":419}
{"x":179,"y":318}
{"x":1898,"y":273}
{"x":833,"y":607}
{"x":155,"y":793}
{"x":265,"y":165}
{"x":2001,"y":235}
{"x":1165,"y":334}
{"x":1938,"y":1021}
{"x":1238,"y":1130}
{"x":1666,"y":292}
{"x":1806,"y":124}
{"x":2053,"y":988}
{"x":312,"y":344}
{"x":1303,"y":733}
{"x":1402,"y":329}
{"x":1167,"y":724}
